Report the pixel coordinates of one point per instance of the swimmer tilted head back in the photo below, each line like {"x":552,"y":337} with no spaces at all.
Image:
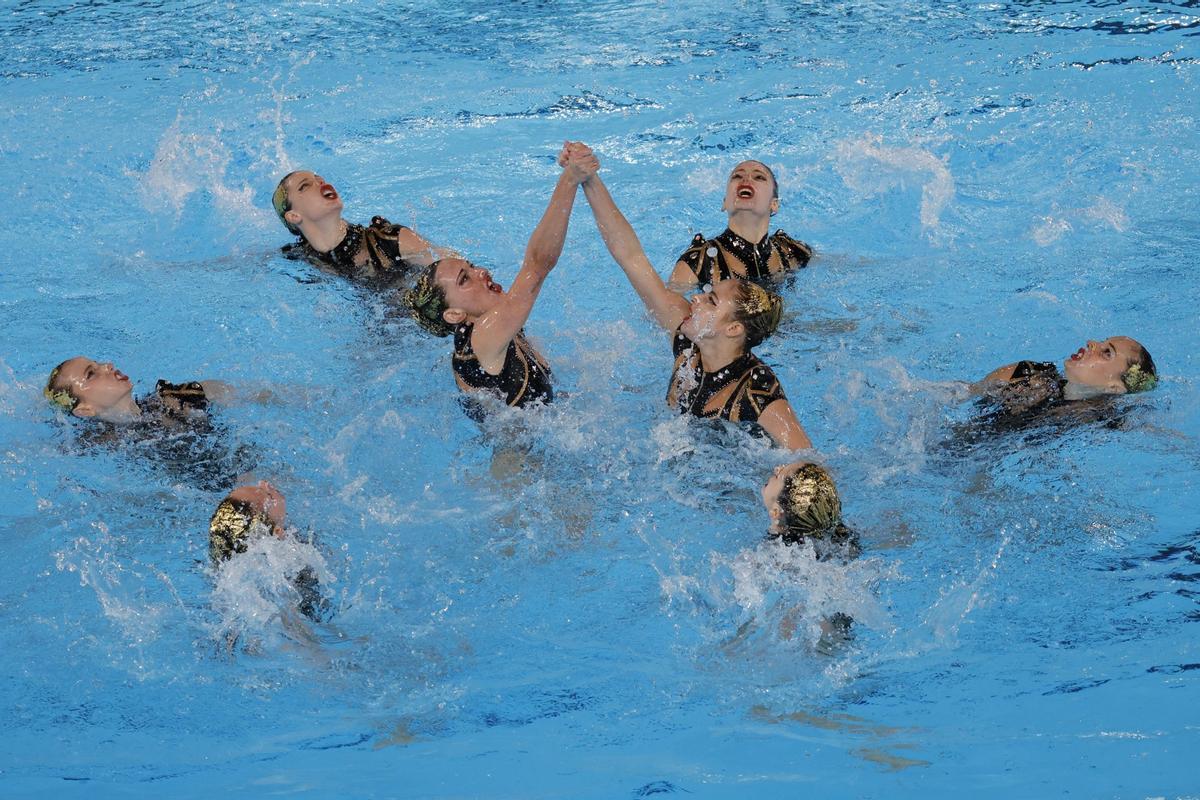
{"x":92,"y":389}
{"x":311,"y":208}
{"x":454,"y":296}
{"x":715,"y":374}
{"x":1117,"y":365}
{"x":744,"y":249}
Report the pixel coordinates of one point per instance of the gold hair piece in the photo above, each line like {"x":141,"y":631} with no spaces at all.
{"x":758,"y":301}
{"x":230,"y":528}
{"x":811,"y":505}
{"x":59,"y":397}
{"x":427,"y":301}
{"x":1137,"y":379}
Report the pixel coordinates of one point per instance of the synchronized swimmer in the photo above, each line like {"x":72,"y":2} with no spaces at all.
{"x":715,"y":372}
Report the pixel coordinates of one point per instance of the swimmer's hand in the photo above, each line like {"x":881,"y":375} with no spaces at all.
{"x":578,"y":161}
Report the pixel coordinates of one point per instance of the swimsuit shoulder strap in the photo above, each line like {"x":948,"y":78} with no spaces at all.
{"x":796,"y":254}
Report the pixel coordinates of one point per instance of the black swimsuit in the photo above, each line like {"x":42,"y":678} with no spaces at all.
{"x":1033,"y":385}
{"x":754,"y":385}
{"x":384,"y":265}
{"x":710,"y":259}
{"x":524,"y":379}
{"x":175,"y":436}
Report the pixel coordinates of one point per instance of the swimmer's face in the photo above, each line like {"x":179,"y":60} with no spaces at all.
{"x":712,"y":313}
{"x":468,"y":288}
{"x":1100,"y":364}
{"x":751,"y":188}
{"x":311,"y":198}
{"x":98,"y":387}
{"x":264,"y":499}
{"x":770,"y":495}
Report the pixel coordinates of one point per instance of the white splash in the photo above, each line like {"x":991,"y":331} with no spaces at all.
{"x":872,"y":168}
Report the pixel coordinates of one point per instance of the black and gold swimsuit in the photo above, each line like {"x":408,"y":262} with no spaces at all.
{"x":524,"y":379}
{"x":738,"y":392}
{"x":731,"y":256}
{"x":385,"y":265}
{"x":176,"y":437}
{"x":1033,"y":385}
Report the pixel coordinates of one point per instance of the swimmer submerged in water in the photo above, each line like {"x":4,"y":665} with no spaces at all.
{"x":91,"y":389}
{"x":378,"y":254}
{"x":253,"y":511}
{"x":1117,"y":365}
{"x":803,"y":506}
{"x":744,"y":250}
{"x":716,"y":375}
{"x":491,"y":353}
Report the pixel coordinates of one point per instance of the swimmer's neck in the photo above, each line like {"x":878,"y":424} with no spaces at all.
{"x":323,"y":235}
{"x":127,"y":410}
{"x":718,"y":352}
{"x":1084,"y":391}
{"x":750,"y":226}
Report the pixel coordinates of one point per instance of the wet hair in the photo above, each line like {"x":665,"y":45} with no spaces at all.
{"x":426,"y":301}
{"x":810,"y":503}
{"x":59,"y":393}
{"x":758,"y":310}
{"x":231,"y":526}
{"x":1140,"y":375}
{"x":282,"y":203}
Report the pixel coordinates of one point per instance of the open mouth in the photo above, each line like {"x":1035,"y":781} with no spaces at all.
{"x":121,"y":376}
{"x":1078,"y":354}
{"x":492,"y":286}
{"x":745,"y":192}
{"x":328,"y":192}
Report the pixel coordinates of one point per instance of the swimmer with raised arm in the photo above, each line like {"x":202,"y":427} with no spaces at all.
{"x":1117,"y":365}
{"x":378,"y":254}
{"x":91,"y":389}
{"x":491,"y":353}
{"x":716,"y":375}
{"x":744,"y":250}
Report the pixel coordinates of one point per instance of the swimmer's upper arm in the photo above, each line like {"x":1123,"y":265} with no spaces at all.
{"x":218,"y":391}
{"x":780,"y":421}
{"x":998,"y":375}
{"x":416,"y":249}
{"x":682,"y":275}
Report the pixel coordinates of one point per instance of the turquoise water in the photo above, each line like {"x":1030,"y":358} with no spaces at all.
{"x":983,"y":182}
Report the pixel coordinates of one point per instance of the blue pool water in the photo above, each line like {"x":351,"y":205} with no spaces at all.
{"x":983,"y":182}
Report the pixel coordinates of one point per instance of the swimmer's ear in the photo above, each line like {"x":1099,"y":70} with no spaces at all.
{"x":774,"y":206}
{"x":454,"y":316}
{"x":84,"y":410}
{"x":292,"y":217}
{"x":735,"y":329}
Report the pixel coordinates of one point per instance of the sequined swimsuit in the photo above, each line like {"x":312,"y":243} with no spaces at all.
{"x":714,"y":260}
{"x":1033,"y":385}
{"x":524,"y":379}
{"x":384,"y":265}
{"x":738,"y":392}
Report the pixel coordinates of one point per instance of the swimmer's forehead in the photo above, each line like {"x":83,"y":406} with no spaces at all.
{"x":752,"y":165}
{"x":448,"y":268}
{"x":296,"y":178}
{"x":74,"y":368}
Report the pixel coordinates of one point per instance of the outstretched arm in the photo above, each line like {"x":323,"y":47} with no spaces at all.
{"x":497,"y":328}
{"x":416,"y":249}
{"x":780,"y":421}
{"x":669,"y":309}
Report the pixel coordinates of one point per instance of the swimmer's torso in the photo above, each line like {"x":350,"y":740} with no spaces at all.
{"x":739,"y":392}
{"x":368,"y":254}
{"x":1033,"y":385}
{"x":525,"y":377}
{"x":731,"y":256}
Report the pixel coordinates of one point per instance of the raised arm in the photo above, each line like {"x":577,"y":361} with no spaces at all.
{"x":416,"y":249}
{"x":497,"y":328}
{"x":780,"y":421}
{"x":669,"y":308}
